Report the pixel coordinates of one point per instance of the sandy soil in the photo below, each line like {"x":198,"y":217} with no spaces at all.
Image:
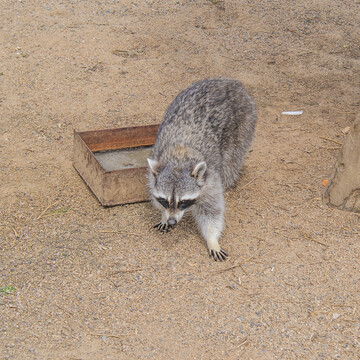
{"x":79,"y":281}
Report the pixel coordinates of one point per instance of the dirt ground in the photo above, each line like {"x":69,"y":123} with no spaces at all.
{"x":79,"y":281}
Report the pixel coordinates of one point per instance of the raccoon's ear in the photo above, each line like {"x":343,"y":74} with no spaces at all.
{"x":199,"y":171}
{"x":154,"y":166}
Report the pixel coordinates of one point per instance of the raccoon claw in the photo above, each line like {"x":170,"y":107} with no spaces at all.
{"x":218,"y":255}
{"x":162,"y":227}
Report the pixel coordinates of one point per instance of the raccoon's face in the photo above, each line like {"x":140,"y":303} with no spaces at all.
{"x":175,"y":190}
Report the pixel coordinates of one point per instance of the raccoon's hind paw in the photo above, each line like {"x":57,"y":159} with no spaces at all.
{"x":162,"y":227}
{"x":220,"y":255}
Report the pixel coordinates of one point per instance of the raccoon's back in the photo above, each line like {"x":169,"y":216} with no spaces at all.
{"x":207,"y":117}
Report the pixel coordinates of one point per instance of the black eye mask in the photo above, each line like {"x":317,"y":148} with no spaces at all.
{"x":184,"y":204}
{"x":163,"y":202}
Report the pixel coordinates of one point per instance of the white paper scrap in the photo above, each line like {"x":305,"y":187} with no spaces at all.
{"x":299,"y":112}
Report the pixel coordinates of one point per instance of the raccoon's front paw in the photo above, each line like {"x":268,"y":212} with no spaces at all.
{"x":162,"y":227}
{"x":220,"y":255}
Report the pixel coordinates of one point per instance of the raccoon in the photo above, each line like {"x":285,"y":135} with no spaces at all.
{"x":199,"y":151}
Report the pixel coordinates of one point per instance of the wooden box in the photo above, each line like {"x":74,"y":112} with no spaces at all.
{"x":113,"y":184}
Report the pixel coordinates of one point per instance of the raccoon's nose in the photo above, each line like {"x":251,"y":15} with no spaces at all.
{"x":172,"y":221}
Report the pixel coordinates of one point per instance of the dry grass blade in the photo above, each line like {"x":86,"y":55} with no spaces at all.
{"x":43,"y":213}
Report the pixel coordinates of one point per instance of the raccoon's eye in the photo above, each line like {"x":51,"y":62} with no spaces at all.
{"x":163,"y":202}
{"x":184,"y":204}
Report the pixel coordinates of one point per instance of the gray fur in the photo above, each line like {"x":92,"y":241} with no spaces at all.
{"x":199,"y":151}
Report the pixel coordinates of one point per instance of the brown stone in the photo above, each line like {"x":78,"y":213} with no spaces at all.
{"x":343,"y":189}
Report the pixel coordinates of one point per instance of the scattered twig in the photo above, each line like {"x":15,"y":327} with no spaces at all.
{"x":328,"y":139}
{"x":345,"y":112}
{"x":99,"y":292}
{"x":119,"y":232}
{"x":119,"y":51}
{"x":250,"y":182}
{"x":287,"y":129}
{"x":300,"y":186}
{"x":315,"y":312}
{"x":326,"y":271}
{"x":231,"y":268}
{"x":330,"y":148}
{"x":239,"y":265}
{"x":64,"y":310}
{"x":305,"y":53}
{"x":14,"y":230}
{"x":307,"y":236}
{"x":286,"y":162}
{"x":227,"y":57}
{"x":341,"y":305}
{"x":253,"y":255}
{"x":112,"y":335}
{"x":243,"y":342}
{"x":126,"y":271}
{"x":57,"y":213}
